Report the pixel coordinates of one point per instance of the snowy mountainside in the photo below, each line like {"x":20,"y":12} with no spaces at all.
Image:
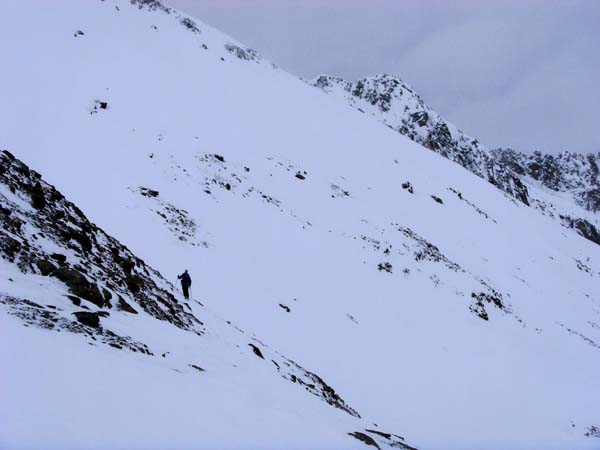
{"x":435,"y":305}
{"x":526,"y":178}
{"x":81,"y":281}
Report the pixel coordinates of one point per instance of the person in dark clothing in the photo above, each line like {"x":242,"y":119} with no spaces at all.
{"x":186,"y":283}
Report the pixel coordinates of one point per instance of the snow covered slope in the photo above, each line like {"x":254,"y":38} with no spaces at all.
{"x":566,"y":188}
{"x":436,"y":306}
{"x":89,"y":284}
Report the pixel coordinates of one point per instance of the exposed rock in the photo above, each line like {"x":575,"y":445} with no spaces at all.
{"x":198,"y":368}
{"x":9,"y":246}
{"x":59,"y":257}
{"x":79,"y":285}
{"x":245,"y":54}
{"x":365,"y":438}
{"x":395,"y":104}
{"x":146,"y":192}
{"x":74,"y":299}
{"x":45,"y":266}
{"x":88,"y":318}
{"x":481,"y":299}
{"x":98,"y":105}
{"x":256,"y":351}
{"x":190,"y":25}
{"x":407,"y":186}
{"x":104,"y":266}
{"x":38,"y":200}
{"x":124,"y":306}
{"x":583,"y":227}
{"x":385,"y":267}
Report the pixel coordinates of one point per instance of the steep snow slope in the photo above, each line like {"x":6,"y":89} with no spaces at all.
{"x":565,"y":188}
{"x":193,"y":382}
{"x":467,"y":320}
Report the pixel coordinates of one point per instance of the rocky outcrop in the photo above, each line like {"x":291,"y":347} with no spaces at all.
{"x":86,"y":323}
{"x":574,"y":173}
{"x":94,"y":266}
{"x":399,"y":107}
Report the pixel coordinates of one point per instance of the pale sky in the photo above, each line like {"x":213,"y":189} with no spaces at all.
{"x":522,"y":74}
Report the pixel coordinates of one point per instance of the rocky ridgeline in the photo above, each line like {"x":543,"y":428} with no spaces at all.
{"x":399,"y":107}
{"x":45,"y":234}
{"x":575,"y":173}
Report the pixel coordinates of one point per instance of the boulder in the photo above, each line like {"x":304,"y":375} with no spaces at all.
{"x":88,"y":318}
{"x":122,"y":305}
{"x":45,"y":266}
{"x":79,"y":285}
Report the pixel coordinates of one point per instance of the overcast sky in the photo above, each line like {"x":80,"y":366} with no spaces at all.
{"x":522,"y":74}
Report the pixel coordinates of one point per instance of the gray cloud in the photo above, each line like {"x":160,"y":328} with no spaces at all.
{"x":512,"y":73}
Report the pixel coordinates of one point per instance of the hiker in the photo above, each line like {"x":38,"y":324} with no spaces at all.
{"x":186,"y":283}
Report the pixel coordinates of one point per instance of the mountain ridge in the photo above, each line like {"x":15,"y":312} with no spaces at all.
{"x":397,"y":105}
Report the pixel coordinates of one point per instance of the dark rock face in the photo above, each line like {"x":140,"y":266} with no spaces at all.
{"x":575,"y":173}
{"x":79,"y":285}
{"x":583,"y":227}
{"x":88,"y":318}
{"x":59,"y":257}
{"x":106,"y":268}
{"x":38,"y":200}
{"x":45,"y":267}
{"x":124,"y":306}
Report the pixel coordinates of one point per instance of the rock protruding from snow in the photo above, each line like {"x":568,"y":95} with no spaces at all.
{"x":399,"y":107}
{"x":394,"y":103}
{"x":44,"y":233}
{"x":574,"y":173}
